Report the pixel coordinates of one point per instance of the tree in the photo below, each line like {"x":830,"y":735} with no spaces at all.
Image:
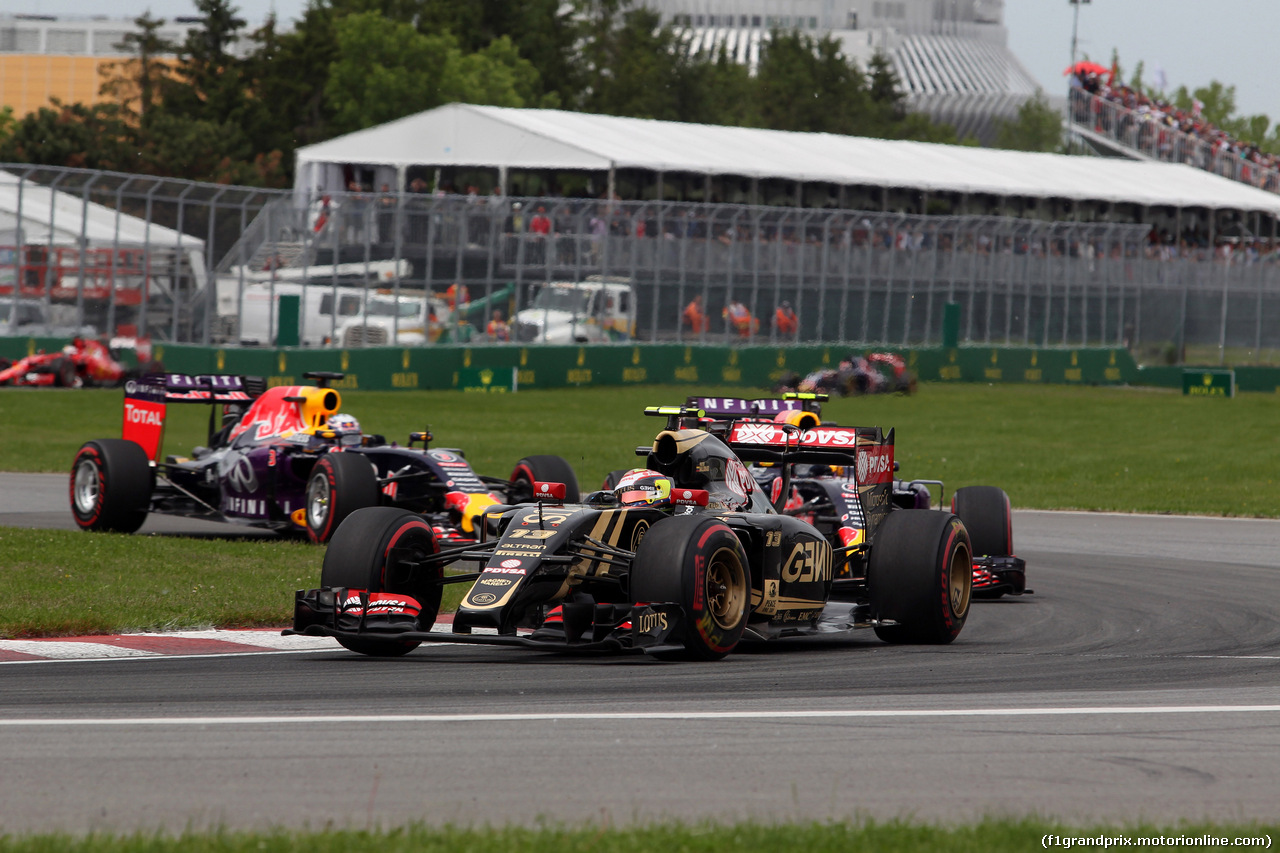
{"x":1037,"y":127}
{"x":635,"y":66}
{"x":74,"y":135}
{"x":544,"y":32}
{"x":209,"y":84}
{"x":136,"y":82}
{"x":384,"y":70}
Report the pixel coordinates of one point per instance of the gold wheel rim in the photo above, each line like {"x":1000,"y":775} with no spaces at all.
{"x":726,"y":588}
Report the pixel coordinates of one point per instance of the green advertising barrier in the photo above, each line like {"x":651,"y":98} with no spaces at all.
{"x":1265,"y":380}
{"x":488,"y":367}
{"x":1208,"y":383}
{"x":461,"y":366}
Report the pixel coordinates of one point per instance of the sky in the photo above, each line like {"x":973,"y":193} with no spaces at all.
{"x":1194,"y":41}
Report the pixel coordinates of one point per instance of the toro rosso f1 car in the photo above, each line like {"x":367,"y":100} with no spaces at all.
{"x":827,"y":495}
{"x":282,"y":459}
{"x":685,"y":557}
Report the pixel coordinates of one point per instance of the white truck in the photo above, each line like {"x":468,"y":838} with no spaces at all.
{"x":248,"y":302}
{"x":409,"y":321}
{"x":596,"y":310}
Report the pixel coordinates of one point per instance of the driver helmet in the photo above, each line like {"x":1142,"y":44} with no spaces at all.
{"x":343,"y":423}
{"x":643,"y":487}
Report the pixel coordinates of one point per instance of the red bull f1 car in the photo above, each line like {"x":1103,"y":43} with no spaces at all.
{"x":827,"y":495}
{"x":686,"y":557}
{"x":283,"y":459}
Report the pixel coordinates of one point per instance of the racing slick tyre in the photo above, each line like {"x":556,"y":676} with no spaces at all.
{"x":920,"y":576}
{"x":986,"y":515}
{"x":380,"y":549}
{"x":111,"y":483}
{"x":64,"y":373}
{"x":612,"y":478}
{"x":541,"y":469}
{"x":340,"y":484}
{"x":698,"y":563}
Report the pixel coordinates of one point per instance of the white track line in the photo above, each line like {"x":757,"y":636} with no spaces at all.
{"x":715,"y":716}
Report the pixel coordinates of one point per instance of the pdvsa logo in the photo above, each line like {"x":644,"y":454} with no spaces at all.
{"x":755,"y":433}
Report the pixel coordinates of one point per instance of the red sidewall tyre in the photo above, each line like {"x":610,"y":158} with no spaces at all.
{"x":340,"y":484}
{"x":110,"y":487}
{"x":699,"y":563}
{"x":920,"y":576}
{"x":542,"y":469}
{"x":374,"y":550}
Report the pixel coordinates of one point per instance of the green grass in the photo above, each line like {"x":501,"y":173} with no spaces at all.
{"x":1048,"y":446}
{"x":65,"y":582}
{"x":986,"y":836}
{"x":68,"y":583}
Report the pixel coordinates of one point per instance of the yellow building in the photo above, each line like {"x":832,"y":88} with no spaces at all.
{"x":47,"y":56}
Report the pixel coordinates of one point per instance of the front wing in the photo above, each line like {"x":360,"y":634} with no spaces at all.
{"x":642,"y":628}
{"x":996,"y":576}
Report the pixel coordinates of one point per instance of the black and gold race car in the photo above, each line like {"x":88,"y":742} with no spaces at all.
{"x":685,"y":557}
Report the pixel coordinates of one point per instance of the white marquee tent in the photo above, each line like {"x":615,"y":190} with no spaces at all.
{"x":53,"y":217}
{"x":506,"y":138}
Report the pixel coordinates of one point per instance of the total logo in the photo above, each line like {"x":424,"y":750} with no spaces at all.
{"x":138,"y":415}
{"x":443,"y":456}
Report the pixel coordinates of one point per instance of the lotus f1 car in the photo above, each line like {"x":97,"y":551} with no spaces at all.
{"x":281,"y":459}
{"x":827,"y":495}
{"x":686,"y":557}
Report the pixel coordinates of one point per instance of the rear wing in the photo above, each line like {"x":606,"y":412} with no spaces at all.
{"x":736,"y":407}
{"x":867,"y":449}
{"x":146,"y":399}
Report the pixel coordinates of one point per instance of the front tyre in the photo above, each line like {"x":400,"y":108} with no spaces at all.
{"x":541,"y":469}
{"x":698,"y":563}
{"x":340,"y":484}
{"x":381,"y":549}
{"x":920,"y":576}
{"x":110,"y":486}
{"x":986,"y":515}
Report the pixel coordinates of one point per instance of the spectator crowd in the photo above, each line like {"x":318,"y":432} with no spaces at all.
{"x":1163,"y":130}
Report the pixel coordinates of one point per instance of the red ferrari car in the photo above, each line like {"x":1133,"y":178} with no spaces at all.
{"x":82,"y":362}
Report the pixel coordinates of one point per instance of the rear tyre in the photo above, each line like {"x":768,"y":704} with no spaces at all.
{"x":920,"y":576}
{"x":340,"y":484}
{"x":379,"y":549}
{"x":542,"y":469}
{"x":111,"y":483}
{"x":612,"y":478}
{"x":698,"y":563}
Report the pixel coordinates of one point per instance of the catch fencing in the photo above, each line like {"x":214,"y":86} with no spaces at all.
{"x":851,"y":277}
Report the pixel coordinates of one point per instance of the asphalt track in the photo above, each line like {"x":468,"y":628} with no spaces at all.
{"x":1141,"y":681}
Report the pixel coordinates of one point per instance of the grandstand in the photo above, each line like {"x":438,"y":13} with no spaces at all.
{"x":951,"y":56}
